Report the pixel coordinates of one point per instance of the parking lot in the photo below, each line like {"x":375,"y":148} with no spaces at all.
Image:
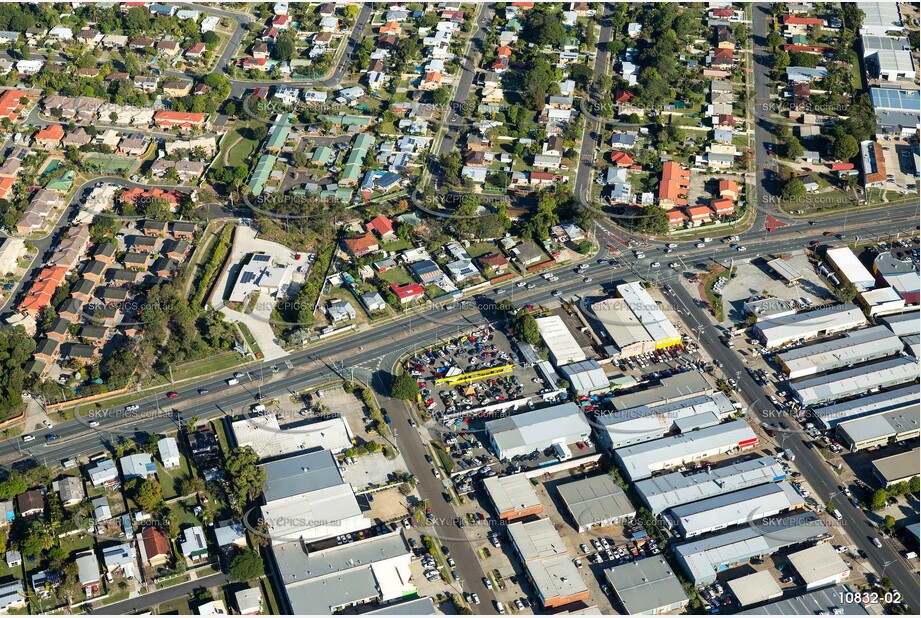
{"x":757,"y":279}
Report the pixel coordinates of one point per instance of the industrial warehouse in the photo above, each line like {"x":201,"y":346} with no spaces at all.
{"x":595,"y":502}
{"x":849,"y":268}
{"x":647,"y":587}
{"x":662,"y":332}
{"x":856,"y":381}
{"x":734,"y":508}
{"x":831,"y":416}
{"x":644,"y":423}
{"x":555,"y":578}
{"x":660,"y":493}
{"x":819,"y":566}
{"x":703,"y":559}
{"x":897,"y":468}
{"x":563,"y":347}
{"x":879,"y":429}
{"x":525,"y":433}
{"x":853,"y":348}
{"x":513,"y":496}
{"x":678,"y":387}
{"x":641,"y":461}
{"x":776,"y":332}
{"x":755,"y":588}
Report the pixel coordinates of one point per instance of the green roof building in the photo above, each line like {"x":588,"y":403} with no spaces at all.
{"x":322,"y":155}
{"x":351,"y":173}
{"x":261,"y":174}
{"x":280,"y":132}
{"x":63,"y":182}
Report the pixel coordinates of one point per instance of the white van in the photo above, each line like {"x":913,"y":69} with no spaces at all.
{"x":499,"y":607}
{"x":258,"y":407}
{"x":232,"y":382}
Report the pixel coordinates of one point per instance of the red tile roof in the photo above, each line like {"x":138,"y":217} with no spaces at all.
{"x":10,"y":105}
{"x":359,"y":245}
{"x":793,"y":20}
{"x":188,"y":119}
{"x":621,"y":159}
{"x":54,"y":132}
{"x":155,"y":543}
{"x":380,"y":225}
{"x":699,"y":213}
{"x":722,"y":206}
{"x":674,"y":183}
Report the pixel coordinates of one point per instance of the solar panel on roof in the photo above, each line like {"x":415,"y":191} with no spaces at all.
{"x":247,"y":277}
{"x":895,"y":99}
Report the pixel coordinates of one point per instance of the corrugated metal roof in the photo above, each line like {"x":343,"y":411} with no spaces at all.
{"x":855,"y":347}
{"x":813,"y":603}
{"x":538,"y":428}
{"x":646,"y":585}
{"x":559,"y":340}
{"x":640,"y":460}
{"x":512,"y":492}
{"x":849,"y":382}
{"x":735,"y":508}
{"x":780,"y":330}
{"x":833,"y":415}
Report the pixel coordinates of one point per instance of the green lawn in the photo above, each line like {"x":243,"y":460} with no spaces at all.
{"x":169,"y":479}
{"x":396,"y":245}
{"x":480,"y":248}
{"x":240,"y":147}
{"x":396,"y":275}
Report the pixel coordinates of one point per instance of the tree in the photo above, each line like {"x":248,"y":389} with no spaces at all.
{"x":12,"y":486}
{"x":793,"y":148}
{"x":16,"y":347}
{"x":37,"y":539}
{"x":404,"y":387}
{"x":283,"y":49}
{"x":146,"y":493}
{"x":247,"y":479}
{"x":246,"y":566}
{"x":846,"y":292}
{"x":526,"y":327}
{"x":793,"y":189}
{"x":845,"y":148}
{"x":441,"y":96}
{"x":878,"y":499}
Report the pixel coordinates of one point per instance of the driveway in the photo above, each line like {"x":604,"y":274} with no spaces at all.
{"x":259,"y":320}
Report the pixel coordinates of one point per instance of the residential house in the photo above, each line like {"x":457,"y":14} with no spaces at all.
{"x":154,"y":547}
{"x":408,"y":293}
{"x":140,"y":465}
{"x":194,"y":547}
{"x":49,"y":137}
{"x":30,"y":503}
{"x":361,"y":245}
{"x":70,"y":490}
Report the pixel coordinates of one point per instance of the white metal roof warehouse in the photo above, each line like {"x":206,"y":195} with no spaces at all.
{"x":525,"y":433}
{"x":596,"y":501}
{"x":778,"y":331}
{"x":733,"y":509}
{"x":642,"y":424}
{"x":564,"y":348}
{"x":660,"y":329}
{"x":819,"y":566}
{"x":848,"y":265}
{"x":856,"y":347}
{"x":624,"y":328}
{"x":831,"y":416}
{"x":673,"y":388}
{"x":818,"y":602}
{"x":902,"y":324}
{"x":755,"y":588}
{"x":513,"y":496}
{"x":704,"y":558}
{"x":671,"y":490}
{"x":586,"y":377}
{"x":897,"y":468}
{"x":543,"y":554}
{"x":647,"y":587}
{"x":850,"y":382}
{"x":878,"y":429}
{"x":640,"y":461}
